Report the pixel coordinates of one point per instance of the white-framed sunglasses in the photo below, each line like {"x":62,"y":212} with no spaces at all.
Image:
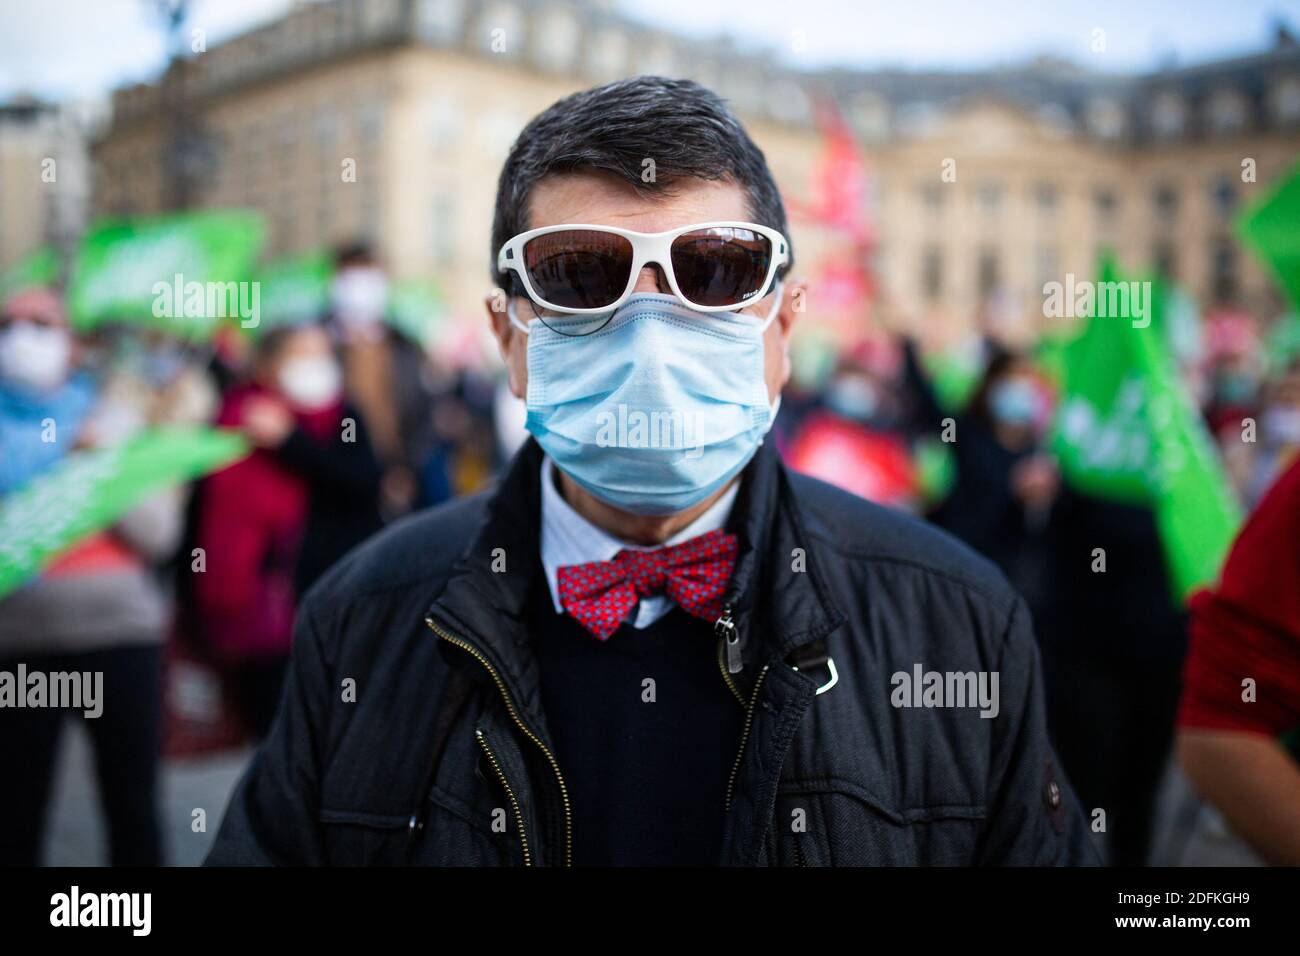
{"x":580,"y":269}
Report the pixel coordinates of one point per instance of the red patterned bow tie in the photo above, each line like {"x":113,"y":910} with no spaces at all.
{"x":695,"y":573}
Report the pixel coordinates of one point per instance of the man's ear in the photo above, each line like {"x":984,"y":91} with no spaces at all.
{"x":503,"y":330}
{"x":794,"y":301}
{"x":508,"y":341}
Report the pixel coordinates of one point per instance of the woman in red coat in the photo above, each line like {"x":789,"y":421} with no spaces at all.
{"x":273,"y":522}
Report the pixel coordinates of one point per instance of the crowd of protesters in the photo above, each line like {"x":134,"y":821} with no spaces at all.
{"x":353,"y":424}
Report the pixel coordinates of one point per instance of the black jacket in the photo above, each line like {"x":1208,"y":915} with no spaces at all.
{"x":444,"y":734}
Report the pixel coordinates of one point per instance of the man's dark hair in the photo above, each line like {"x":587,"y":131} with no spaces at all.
{"x":687,"y":130}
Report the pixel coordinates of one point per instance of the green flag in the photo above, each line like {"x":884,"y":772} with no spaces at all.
{"x":954,"y":375}
{"x":89,"y":490}
{"x":38,"y":268}
{"x":294,"y":290}
{"x":183,"y":272}
{"x":1127,"y":430}
{"x":1271,"y":226}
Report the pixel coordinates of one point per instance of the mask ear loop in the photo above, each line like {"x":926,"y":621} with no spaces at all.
{"x":514,"y":317}
{"x":779,"y":289}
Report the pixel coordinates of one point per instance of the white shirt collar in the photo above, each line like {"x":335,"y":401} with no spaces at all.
{"x":569,"y":538}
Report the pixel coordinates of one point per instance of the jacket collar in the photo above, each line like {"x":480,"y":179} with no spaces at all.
{"x":777,"y":608}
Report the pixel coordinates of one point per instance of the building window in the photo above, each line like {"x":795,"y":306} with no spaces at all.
{"x":1046,"y":264}
{"x":1286,"y":101}
{"x":1168,"y":115}
{"x":870,"y":116}
{"x":932,"y":273}
{"x":988,"y":274}
{"x":1166,"y":260}
{"x":1107,"y":206}
{"x":1226,"y":112}
{"x":1165,"y":200}
{"x":1105,"y":118}
{"x":444,"y":120}
{"x":370,"y":211}
{"x":988,"y":196}
{"x":370,"y":120}
{"x":1046,"y":198}
{"x":556,"y":47}
{"x":1223,"y":194}
{"x":1223,"y":270}
{"x":932,"y":196}
{"x":501,"y":29}
{"x":440,"y":20}
{"x":442,"y":245}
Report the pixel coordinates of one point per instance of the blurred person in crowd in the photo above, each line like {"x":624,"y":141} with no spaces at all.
{"x":1006,"y":482}
{"x":1113,"y":639}
{"x":380,"y":376}
{"x":854,"y":439}
{"x":462,"y":447}
{"x":1277,"y":438}
{"x":271,"y":524}
{"x":761,"y":609}
{"x":149,"y":378}
{"x":96,"y":608}
{"x":1233,"y":385}
{"x":1239,"y":721}
{"x":39,"y":381}
{"x":1232,"y":397}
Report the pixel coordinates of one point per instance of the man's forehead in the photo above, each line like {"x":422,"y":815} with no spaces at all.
{"x":602,"y":199}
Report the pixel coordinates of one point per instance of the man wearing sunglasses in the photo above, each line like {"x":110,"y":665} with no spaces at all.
{"x":651,"y":643}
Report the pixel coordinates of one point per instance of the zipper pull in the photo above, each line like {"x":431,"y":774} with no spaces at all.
{"x":726,"y":629}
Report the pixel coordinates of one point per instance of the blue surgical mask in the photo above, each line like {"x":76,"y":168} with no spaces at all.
{"x":656,"y":410}
{"x":854,"y":397}
{"x":1014,"y":403}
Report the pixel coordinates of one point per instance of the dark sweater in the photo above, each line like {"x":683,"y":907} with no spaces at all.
{"x":647,"y":781}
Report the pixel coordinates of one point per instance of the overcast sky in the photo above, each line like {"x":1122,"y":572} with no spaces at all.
{"x":83,"y":48}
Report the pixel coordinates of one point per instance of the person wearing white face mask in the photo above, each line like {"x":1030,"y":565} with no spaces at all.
{"x":38,"y":382}
{"x":1279,"y":432}
{"x":372,"y":370}
{"x":272,"y":523}
{"x":96,"y":608}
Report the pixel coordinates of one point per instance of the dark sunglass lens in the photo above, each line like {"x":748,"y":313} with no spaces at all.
{"x":578,"y":268}
{"x":721,"y":265}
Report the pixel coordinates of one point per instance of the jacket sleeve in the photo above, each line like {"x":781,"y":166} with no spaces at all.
{"x":1034,"y":817}
{"x":273,"y":815}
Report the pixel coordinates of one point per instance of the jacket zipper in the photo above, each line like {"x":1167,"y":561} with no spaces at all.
{"x":729,"y":659}
{"x":514,"y":803}
{"x":514,"y":715}
{"x":744,"y":736}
